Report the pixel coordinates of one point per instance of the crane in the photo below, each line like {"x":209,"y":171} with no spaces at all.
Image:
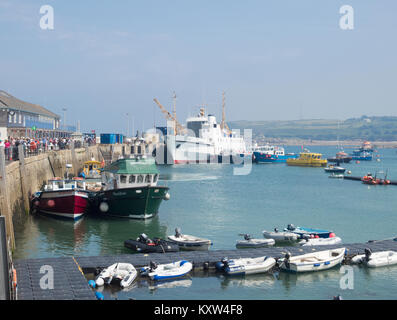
{"x":178,"y":128}
{"x":224,"y":125}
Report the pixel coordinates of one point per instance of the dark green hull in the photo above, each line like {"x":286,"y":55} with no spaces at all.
{"x":133,"y":203}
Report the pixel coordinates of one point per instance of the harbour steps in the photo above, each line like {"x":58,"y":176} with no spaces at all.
{"x":70,"y":282}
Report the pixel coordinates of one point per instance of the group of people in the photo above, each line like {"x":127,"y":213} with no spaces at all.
{"x":32,"y":145}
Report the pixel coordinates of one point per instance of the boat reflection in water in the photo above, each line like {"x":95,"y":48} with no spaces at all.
{"x":262,"y":281}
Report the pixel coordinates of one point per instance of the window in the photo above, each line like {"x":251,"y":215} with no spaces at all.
{"x":147,"y":179}
{"x":140,"y":179}
{"x":155,"y":178}
{"x":123,"y":179}
{"x":131,"y":179}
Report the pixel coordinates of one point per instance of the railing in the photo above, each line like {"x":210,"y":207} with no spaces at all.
{"x":12,"y":153}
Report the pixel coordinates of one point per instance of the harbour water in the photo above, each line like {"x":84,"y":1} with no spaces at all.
{"x":209,"y":201}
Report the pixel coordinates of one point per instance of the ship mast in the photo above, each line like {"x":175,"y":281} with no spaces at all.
{"x":224,"y":126}
{"x":174,"y":110}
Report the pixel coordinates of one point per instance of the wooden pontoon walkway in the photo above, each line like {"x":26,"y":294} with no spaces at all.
{"x":70,"y":283}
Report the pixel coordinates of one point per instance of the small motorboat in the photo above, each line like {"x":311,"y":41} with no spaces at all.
{"x":145,"y":245}
{"x":315,"y":261}
{"x":280,"y":236}
{"x":167,"y":271}
{"x":248,"y":242}
{"x":334,"y":169}
{"x":376,"y":259}
{"x":320,"y":241}
{"x":245,"y":266}
{"x":188,"y":242}
{"x":124,"y":273}
{"x":303,"y":232}
{"x":340,"y":157}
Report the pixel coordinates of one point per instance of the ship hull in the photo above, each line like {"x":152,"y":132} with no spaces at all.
{"x":132,"y":203}
{"x":267,"y":158}
{"x":68,"y":204}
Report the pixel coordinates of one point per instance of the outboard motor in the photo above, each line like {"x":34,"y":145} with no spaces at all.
{"x":368,"y":253}
{"x":247,"y":237}
{"x":143,"y":238}
{"x":178,"y":232}
{"x":291,"y":227}
{"x":152,"y":265}
{"x":275,"y":230}
{"x":286,"y":261}
{"x":306,"y":237}
{"x":221,"y":265}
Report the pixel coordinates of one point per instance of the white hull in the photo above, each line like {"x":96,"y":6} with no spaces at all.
{"x":188,"y":242}
{"x":320,"y":241}
{"x":170,"y":270}
{"x":315,"y":261}
{"x":249,"y":265}
{"x":378,"y":259}
{"x":123,"y":272}
{"x":255,"y":243}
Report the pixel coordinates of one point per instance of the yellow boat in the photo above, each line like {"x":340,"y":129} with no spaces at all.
{"x":308,"y":159}
{"x":92,"y":169}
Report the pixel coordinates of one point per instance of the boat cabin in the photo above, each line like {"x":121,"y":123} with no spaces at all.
{"x":58,"y":184}
{"x":92,"y":168}
{"x":130,"y":173}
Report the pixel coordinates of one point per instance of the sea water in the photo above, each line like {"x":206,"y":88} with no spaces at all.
{"x":211,"y":201}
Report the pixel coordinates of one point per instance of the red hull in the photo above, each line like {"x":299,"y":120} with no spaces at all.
{"x":70,"y":204}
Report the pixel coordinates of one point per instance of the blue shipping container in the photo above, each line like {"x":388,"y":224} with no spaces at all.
{"x":108,"y":138}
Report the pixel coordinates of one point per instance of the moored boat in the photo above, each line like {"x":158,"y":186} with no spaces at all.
{"x":130,"y":189}
{"x":63,"y":198}
{"x":167,"y":271}
{"x":341,"y":157}
{"x":92,"y":169}
{"x":145,"y":245}
{"x":124,"y":273}
{"x":336,"y":176}
{"x":246,"y":266}
{"x":249,"y":242}
{"x":308,"y":159}
{"x":271,"y":154}
{"x":376,"y":259}
{"x":188,"y":242}
{"x":303,"y":232}
{"x":314,"y":261}
{"x":334,"y":169}
{"x":280,"y":236}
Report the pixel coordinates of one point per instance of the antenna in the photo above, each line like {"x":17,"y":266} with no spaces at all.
{"x":223,"y":111}
{"x":174,"y":109}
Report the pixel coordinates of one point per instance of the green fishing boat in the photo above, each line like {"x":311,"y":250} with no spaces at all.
{"x":130,"y":190}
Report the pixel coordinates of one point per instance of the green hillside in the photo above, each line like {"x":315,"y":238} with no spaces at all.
{"x":364,"y":128}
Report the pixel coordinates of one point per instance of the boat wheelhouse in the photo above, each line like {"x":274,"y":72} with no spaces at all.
{"x":308,"y":159}
{"x":130,"y":190}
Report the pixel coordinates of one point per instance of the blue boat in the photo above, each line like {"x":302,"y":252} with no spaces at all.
{"x":271,"y":154}
{"x":304,"y":232}
{"x":361,"y":155}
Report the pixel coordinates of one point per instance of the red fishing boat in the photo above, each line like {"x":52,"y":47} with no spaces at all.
{"x":62,"y":198}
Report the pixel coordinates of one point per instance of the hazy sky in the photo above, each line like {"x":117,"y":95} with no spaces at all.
{"x":274,"y":59}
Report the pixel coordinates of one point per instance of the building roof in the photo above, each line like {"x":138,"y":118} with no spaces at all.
{"x":9,"y":101}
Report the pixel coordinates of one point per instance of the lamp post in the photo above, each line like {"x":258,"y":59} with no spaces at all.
{"x":64,"y":118}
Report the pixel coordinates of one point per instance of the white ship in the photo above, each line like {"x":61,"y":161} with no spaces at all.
{"x":203,"y":140}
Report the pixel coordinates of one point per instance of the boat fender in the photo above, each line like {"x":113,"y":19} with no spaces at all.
{"x":100,"y":282}
{"x":167,"y":196}
{"x":104,"y":207}
{"x":99,"y":296}
{"x":92,"y":283}
{"x":368,"y":253}
{"x":332,"y":235}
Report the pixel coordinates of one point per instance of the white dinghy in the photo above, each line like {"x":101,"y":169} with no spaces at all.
{"x":245,"y":266}
{"x":188,"y":242}
{"x":320,"y":241}
{"x":249,"y":242}
{"x":314,"y":261}
{"x":167,"y":271}
{"x":125,"y":273}
{"x":376,"y":259}
{"x":280,"y":236}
